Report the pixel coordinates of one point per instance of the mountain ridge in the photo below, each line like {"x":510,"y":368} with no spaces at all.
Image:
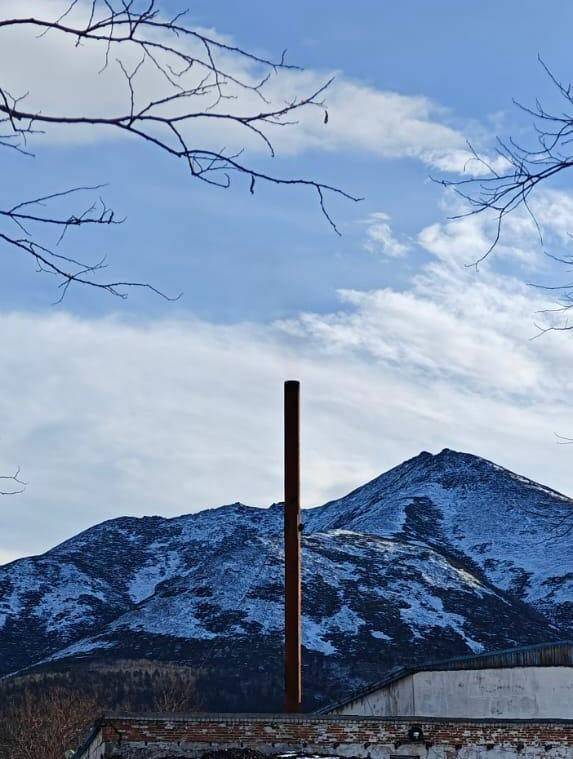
{"x":433,"y":557}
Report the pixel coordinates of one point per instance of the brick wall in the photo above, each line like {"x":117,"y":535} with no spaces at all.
{"x":168,"y":738}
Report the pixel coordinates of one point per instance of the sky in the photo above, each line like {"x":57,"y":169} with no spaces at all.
{"x":144,"y":406}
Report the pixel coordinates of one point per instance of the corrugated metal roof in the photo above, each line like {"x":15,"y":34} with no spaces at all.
{"x":557,"y":654}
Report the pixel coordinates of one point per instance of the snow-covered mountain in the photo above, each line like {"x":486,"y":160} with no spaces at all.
{"x":443,"y":555}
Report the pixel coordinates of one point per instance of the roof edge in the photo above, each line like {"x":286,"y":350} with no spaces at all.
{"x":399,"y":673}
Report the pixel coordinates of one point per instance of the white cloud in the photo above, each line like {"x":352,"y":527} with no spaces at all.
{"x":524,"y":238}
{"x":464,"y":161}
{"x":554,"y":212}
{"x":361,"y":118}
{"x":451,"y":326}
{"x":380,"y":239}
{"x":108,"y":418}
{"x":384,"y":123}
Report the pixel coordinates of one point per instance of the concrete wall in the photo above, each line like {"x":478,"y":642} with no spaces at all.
{"x":510,"y":693}
{"x":395,"y":700}
{"x":378,"y":738}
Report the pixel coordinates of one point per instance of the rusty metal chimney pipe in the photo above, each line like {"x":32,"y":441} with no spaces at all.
{"x":292,"y":540}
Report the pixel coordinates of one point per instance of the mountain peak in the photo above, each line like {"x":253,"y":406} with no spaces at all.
{"x":451,"y":456}
{"x":445,"y":457}
{"x":438,"y":556}
{"x":445,"y":452}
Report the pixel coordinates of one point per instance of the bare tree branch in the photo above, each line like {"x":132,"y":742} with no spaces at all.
{"x":525,"y":168}
{"x":18,"y":484}
{"x":200,"y":82}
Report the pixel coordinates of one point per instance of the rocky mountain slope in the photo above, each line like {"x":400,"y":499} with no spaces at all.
{"x":443,"y":555}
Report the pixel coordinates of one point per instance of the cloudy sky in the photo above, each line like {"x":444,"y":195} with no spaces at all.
{"x":144,"y":406}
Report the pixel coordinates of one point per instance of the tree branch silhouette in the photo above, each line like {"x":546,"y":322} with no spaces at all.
{"x":510,"y":182}
{"x":135,"y":35}
{"x":17,"y":485}
{"x":525,"y":167}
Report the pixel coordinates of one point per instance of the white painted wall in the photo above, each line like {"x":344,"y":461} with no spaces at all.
{"x":510,"y":693}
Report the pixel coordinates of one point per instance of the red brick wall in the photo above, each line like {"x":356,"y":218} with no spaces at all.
{"x":331,"y":732}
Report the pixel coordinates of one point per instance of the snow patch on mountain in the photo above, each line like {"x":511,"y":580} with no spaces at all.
{"x":446,"y":550}
{"x":162,"y":565}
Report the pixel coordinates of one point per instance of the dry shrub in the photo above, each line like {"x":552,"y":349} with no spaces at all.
{"x":45,"y":725}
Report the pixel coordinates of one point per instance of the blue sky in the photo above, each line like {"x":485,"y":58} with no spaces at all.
{"x":278,"y":238}
{"x":145,"y":406}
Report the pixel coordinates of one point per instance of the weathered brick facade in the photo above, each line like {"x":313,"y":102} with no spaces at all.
{"x":171,"y":738}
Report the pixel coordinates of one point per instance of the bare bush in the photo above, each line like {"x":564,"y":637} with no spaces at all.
{"x":175,"y":695}
{"x":45,"y":725}
{"x":118,"y":687}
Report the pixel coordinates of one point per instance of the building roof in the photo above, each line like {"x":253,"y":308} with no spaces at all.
{"x":557,"y":654}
